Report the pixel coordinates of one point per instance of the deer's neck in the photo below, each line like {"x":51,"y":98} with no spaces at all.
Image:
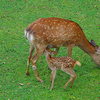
{"x":87,"y":47}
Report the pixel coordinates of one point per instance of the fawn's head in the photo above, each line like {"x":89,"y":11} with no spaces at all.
{"x":47,"y":51}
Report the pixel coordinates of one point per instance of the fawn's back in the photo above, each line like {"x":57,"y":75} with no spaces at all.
{"x":61,"y":61}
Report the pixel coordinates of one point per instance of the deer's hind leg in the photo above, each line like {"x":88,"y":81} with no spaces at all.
{"x":39,"y":50}
{"x":30,"y":55}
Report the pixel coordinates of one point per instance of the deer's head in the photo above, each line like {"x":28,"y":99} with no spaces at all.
{"x":96,"y":56}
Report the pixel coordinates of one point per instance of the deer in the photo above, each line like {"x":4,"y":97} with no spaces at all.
{"x":66,"y":64}
{"x":56,"y":33}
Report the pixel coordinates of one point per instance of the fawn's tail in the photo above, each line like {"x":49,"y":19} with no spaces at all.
{"x":78,"y":63}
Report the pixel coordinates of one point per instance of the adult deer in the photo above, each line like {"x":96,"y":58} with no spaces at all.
{"x":55,"y":33}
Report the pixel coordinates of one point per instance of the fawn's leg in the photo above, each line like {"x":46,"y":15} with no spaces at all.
{"x":53,"y":77}
{"x":30,"y":55}
{"x":38,"y":53}
{"x":73,"y":80}
{"x":73,"y":76}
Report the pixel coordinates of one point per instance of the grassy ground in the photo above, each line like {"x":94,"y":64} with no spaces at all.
{"x":15,"y":15}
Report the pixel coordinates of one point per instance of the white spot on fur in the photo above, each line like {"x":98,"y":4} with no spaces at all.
{"x":45,"y":27}
{"x":48,"y":27}
{"x":56,"y":27}
{"x":38,"y":45}
{"x":43,"y":32}
{"x":52,"y":27}
{"x":64,"y":26}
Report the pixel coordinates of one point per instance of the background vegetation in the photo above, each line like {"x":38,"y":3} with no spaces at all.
{"x":15,"y":16}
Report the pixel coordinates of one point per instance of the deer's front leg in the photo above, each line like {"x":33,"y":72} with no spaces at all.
{"x":55,"y":52}
{"x":69,"y":49}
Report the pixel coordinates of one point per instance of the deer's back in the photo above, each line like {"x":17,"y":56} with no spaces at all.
{"x":55,"y":31}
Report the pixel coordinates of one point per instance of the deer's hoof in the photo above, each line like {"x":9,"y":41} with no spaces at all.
{"x":27,"y":73}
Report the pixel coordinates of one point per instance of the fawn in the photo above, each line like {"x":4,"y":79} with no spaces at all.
{"x":66,"y":64}
{"x":55,"y":33}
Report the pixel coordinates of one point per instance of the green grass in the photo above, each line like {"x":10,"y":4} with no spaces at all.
{"x":15,"y":16}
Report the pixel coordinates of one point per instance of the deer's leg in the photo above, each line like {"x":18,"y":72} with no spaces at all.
{"x":30,"y":55}
{"x":38,"y":53}
{"x":55,"y":51}
{"x":53,"y":77}
{"x":73,"y":76}
{"x":69,"y":49}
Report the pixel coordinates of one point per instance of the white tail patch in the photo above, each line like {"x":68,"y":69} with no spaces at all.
{"x":29,"y":36}
{"x":78,"y":63}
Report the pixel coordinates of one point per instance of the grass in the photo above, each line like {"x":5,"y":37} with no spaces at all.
{"x":15,"y":16}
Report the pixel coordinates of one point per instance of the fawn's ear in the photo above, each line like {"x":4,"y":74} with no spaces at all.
{"x":93,"y":43}
{"x":53,"y":52}
{"x":97,"y":50}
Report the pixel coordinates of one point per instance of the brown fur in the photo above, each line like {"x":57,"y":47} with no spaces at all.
{"x":66,"y":64}
{"x":55,"y":33}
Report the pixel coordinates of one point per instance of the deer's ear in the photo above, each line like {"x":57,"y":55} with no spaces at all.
{"x":93,"y":43}
{"x":97,"y":50}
